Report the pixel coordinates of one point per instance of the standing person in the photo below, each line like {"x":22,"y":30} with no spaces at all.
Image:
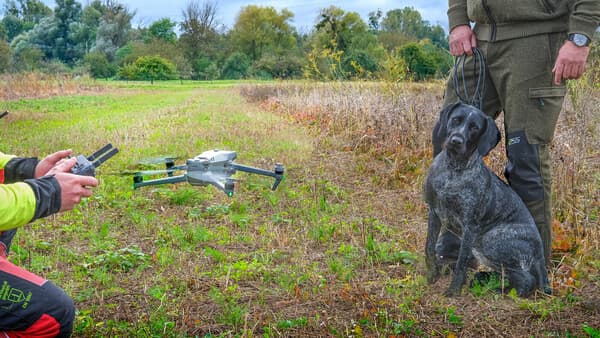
{"x":530,"y":47}
{"x":31,"y":306}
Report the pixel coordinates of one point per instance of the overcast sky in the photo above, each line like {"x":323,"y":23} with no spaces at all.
{"x":305,"y":11}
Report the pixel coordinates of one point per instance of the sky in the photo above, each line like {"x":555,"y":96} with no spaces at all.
{"x":305,"y":11}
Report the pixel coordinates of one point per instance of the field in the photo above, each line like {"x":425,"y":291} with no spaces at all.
{"x":336,"y":251}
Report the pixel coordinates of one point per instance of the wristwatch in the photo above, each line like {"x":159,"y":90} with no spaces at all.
{"x":580,"y":40}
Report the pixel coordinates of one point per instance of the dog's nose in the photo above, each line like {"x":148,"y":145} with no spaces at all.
{"x":456,"y":140}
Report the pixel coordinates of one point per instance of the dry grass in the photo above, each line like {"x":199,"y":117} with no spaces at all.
{"x":39,"y":85}
{"x":335,"y":251}
{"x":376,"y":141}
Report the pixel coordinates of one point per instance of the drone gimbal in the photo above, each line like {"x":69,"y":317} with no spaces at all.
{"x":213,"y":167}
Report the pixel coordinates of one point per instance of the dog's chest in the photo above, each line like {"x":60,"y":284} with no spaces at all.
{"x":455,"y":193}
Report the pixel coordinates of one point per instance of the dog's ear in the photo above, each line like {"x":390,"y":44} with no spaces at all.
{"x":438,"y":136}
{"x":489,"y":138}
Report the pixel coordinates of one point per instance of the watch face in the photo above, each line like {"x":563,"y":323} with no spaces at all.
{"x":580,"y":39}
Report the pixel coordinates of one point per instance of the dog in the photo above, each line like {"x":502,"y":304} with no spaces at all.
{"x":474,"y":216}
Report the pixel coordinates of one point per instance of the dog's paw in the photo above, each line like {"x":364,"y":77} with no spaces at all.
{"x":433,"y":275}
{"x":452,"y":292}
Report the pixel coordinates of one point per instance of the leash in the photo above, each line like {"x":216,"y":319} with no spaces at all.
{"x":474,"y":98}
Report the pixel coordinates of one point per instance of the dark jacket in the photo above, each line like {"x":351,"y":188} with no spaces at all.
{"x":509,"y":19}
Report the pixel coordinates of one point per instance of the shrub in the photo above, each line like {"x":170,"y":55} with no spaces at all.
{"x":236,"y":66}
{"x":99,"y":66}
{"x":149,"y":68}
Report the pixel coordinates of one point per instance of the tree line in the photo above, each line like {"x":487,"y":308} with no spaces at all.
{"x":99,"y":39}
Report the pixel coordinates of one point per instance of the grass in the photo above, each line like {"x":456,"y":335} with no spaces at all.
{"x":335,"y":251}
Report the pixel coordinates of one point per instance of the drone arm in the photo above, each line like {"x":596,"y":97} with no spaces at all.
{"x":138,"y":181}
{"x":277,"y":174}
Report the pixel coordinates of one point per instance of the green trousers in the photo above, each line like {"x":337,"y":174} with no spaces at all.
{"x":519,"y":82}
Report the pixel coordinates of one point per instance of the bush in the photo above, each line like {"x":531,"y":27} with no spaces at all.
{"x":359,"y":64}
{"x":5,"y":56}
{"x":98,"y":65}
{"x":236,"y":66}
{"x":149,"y":68}
{"x":281,"y":67}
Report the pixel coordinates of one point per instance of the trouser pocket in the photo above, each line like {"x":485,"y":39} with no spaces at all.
{"x":546,"y":106}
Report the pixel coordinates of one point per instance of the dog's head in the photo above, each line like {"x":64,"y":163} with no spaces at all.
{"x":462,"y":129}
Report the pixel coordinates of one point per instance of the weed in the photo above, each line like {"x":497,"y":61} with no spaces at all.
{"x":287,"y":324}
{"x":231,"y":313}
{"x":493,"y":284}
{"x":121,"y":260}
{"x":452,"y":317}
{"x":591,"y":332}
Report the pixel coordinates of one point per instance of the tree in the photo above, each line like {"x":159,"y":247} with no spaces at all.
{"x":407,"y":24}
{"x":236,"y":66}
{"x":163,"y":29}
{"x":67,"y":17}
{"x":258,"y":30}
{"x":114,"y":29}
{"x":341,"y":38}
{"x":22,"y":16}
{"x":199,"y":37}
{"x":12,"y":26}
{"x":340,"y":28}
{"x":90,"y":20}
{"x":420,"y":64}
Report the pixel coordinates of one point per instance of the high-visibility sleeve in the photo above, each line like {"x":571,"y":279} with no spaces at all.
{"x":17,"y":205}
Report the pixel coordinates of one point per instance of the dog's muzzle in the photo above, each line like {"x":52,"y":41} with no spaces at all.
{"x":456,"y":142}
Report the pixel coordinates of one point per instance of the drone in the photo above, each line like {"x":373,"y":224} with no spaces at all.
{"x":213,"y":167}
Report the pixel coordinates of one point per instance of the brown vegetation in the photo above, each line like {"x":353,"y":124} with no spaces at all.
{"x":40,"y":85}
{"x":376,"y":138}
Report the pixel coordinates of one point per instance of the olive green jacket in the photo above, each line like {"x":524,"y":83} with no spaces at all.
{"x":509,"y":19}
{"x":17,"y":200}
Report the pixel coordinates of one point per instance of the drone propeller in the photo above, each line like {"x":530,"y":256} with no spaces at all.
{"x":158,"y":160}
{"x":153,"y":172}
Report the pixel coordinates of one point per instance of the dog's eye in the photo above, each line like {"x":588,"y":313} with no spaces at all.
{"x":456,"y":121}
{"x":473,"y":127}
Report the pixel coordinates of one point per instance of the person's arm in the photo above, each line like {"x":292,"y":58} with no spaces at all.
{"x":457,"y":13}
{"x":23,"y":202}
{"x":17,"y":205}
{"x":571,"y":60}
{"x":462,"y":39}
{"x":17,"y":169}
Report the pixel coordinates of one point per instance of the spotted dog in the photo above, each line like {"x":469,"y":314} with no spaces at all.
{"x":473,"y":215}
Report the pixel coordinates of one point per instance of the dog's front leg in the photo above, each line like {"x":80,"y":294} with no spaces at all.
{"x":460,"y":271}
{"x":433,"y":231}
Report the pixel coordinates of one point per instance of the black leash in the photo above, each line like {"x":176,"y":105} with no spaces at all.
{"x":474,"y":98}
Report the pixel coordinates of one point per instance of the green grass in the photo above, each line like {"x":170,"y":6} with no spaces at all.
{"x":330,"y":253}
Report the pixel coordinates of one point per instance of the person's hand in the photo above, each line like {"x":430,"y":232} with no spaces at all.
{"x":462,"y":40}
{"x":73,"y":188}
{"x":51,"y":161}
{"x":570,"y":62}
